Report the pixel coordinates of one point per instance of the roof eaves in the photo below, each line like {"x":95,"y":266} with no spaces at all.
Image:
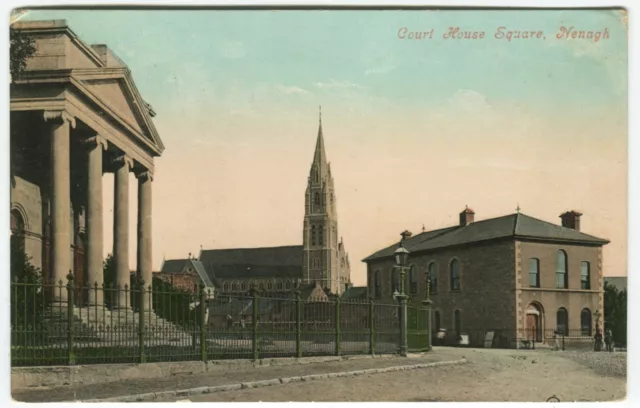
{"x":595,"y":241}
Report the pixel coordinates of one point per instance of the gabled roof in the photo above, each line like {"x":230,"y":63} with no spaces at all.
{"x":517,"y":226}
{"x":171,"y":266}
{"x":284,"y":261}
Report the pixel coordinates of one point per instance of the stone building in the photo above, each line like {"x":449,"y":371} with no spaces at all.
{"x":321,"y":258}
{"x":185,"y":274}
{"x":76,"y":114}
{"x":514,"y":274}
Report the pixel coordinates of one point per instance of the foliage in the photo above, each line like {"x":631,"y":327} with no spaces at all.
{"x":27,"y":300}
{"x":22,"y":47}
{"x":174,"y":304}
{"x":615,"y":313}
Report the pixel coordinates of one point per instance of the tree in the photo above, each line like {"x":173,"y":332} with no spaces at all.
{"x":27,"y":296}
{"x":22,"y":47}
{"x":615,"y":312}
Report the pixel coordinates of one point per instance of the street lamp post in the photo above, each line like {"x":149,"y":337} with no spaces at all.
{"x":402,"y":256}
{"x":428,"y":304}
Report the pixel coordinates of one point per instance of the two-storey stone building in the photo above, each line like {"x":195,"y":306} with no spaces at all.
{"x":515,"y":275}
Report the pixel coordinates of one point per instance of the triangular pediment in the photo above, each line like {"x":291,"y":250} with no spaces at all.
{"x":112,"y":93}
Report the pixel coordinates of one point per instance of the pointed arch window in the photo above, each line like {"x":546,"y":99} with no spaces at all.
{"x":316,"y":198}
{"x":320,"y":236}
{"x":585,"y":275}
{"x":313,"y":235}
{"x":243,"y":286}
{"x":561,"y":270}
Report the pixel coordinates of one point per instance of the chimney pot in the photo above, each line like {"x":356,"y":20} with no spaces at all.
{"x":406,"y":234}
{"x":466,"y":216}
{"x":571,"y":219}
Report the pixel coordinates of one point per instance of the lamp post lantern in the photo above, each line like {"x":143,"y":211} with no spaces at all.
{"x":402,"y":256}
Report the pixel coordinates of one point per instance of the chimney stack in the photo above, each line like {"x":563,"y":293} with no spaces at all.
{"x":406,"y":234}
{"x":466,"y":216}
{"x":571,"y":219}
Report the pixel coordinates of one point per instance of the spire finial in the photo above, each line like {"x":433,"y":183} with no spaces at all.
{"x":423,"y":228}
{"x":518,"y":208}
{"x":320,"y":113}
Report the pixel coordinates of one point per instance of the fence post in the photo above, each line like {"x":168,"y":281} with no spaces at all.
{"x":337,"y":317}
{"x":428,"y":303}
{"x":298,"y":325}
{"x":203,"y":323}
{"x":254,"y":321}
{"x":371,"y":328}
{"x":71,"y":352}
{"x":141,"y":309}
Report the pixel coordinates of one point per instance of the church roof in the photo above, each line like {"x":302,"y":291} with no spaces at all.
{"x":517,"y":226}
{"x":355,"y":293}
{"x":284,"y":261}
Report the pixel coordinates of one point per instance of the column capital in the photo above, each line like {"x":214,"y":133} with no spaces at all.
{"x":144,"y":175}
{"x":95,"y":141}
{"x":59,"y":115}
{"x":122,"y":160}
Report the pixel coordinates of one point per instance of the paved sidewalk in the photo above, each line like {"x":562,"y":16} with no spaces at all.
{"x":181,"y":382}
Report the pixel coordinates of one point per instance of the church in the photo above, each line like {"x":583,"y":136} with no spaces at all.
{"x":320,"y":264}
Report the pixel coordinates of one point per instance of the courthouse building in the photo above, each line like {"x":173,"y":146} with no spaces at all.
{"x":77,"y":114}
{"x":514,"y":274}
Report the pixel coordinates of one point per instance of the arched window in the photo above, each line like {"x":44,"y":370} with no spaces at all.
{"x":313,"y":235}
{"x":17,"y":228}
{"x":279,"y":285}
{"x":585,"y":322}
{"x":261,"y":285}
{"x":457,"y":322}
{"x":413,"y":280}
{"x":534,"y":273}
{"x":269,"y":285}
{"x":562,"y":321}
{"x":454,"y":270}
{"x":433,"y":276}
{"x":225,"y":287}
{"x":437,"y":324}
{"x":377,"y":284}
{"x":585,"y":275}
{"x":243,"y":286}
{"x":316,"y":198}
{"x":288,"y":285}
{"x":561,"y":270}
{"x":234,"y":287}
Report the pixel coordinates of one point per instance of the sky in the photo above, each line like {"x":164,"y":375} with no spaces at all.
{"x":415,"y":130}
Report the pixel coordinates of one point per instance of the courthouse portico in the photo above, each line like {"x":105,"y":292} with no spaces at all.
{"x":75,"y":115}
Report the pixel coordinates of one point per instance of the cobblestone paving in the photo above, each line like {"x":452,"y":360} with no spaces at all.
{"x":232,"y":376}
{"x":488,"y":376}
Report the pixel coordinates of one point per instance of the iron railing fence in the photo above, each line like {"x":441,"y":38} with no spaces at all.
{"x":62,"y":323}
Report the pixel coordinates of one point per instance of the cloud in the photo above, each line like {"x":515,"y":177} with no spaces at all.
{"x":290,"y":90}
{"x":232,"y":50}
{"x":338,"y":84}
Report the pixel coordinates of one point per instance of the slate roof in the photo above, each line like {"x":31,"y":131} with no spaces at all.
{"x":355,"y":293}
{"x":177,"y":266}
{"x":514,"y":225}
{"x":284,"y":261}
{"x":620,"y":282}
{"x":173,"y":265}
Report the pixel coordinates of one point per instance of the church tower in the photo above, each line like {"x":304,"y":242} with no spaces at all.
{"x":324,"y":260}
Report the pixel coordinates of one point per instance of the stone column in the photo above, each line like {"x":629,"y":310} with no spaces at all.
{"x":144,"y":235}
{"x":93,"y":219}
{"x":122,"y":165}
{"x":61,"y":124}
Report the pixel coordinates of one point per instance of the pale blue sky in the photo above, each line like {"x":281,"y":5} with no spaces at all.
{"x":448,"y":123}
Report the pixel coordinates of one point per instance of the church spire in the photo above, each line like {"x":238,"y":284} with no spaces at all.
{"x":320,"y":157}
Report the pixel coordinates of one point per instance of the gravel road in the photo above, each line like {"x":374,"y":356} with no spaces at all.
{"x":490,"y":375}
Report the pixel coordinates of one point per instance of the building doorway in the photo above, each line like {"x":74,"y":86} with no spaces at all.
{"x":534,"y":322}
